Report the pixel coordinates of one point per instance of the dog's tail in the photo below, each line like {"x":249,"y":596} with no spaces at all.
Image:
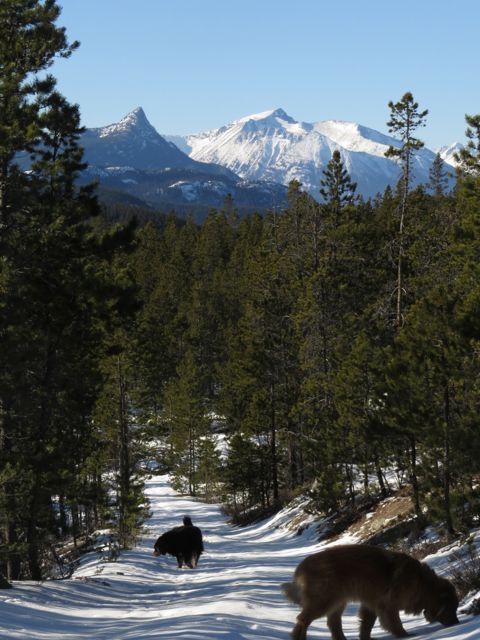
{"x":292,"y":591}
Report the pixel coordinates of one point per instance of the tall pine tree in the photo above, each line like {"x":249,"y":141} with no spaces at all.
{"x":405,"y":118}
{"x":56,"y":293}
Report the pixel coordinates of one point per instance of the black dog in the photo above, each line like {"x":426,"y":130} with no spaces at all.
{"x":185,"y":543}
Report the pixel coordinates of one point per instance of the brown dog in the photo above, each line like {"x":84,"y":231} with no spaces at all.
{"x":384,"y":582}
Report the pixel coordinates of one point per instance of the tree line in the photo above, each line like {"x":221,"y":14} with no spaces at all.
{"x":333,"y":342}
{"x":319,"y":347}
{"x":65,"y":296}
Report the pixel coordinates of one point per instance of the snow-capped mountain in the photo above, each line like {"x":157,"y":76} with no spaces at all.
{"x":132,"y":162}
{"x":273,"y":146}
{"x":448,"y":152}
{"x":253,"y":159}
{"x":134,"y":142}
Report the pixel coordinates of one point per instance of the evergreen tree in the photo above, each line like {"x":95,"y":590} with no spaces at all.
{"x":405,"y":118}
{"x":56,"y":293}
{"x":469,"y":156}
{"x":263,"y":358}
{"x":438,"y":177}
{"x":212,"y":307}
{"x":328,"y":315}
{"x":431,"y":384}
{"x":337,"y":188}
{"x":243,"y":474}
{"x":209,"y":468}
{"x":301,"y":229}
{"x":155,"y":338}
{"x":186,"y":418}
{"x":234,"y":377}
{"x":122,"y":438}
{"x":29,"y":42}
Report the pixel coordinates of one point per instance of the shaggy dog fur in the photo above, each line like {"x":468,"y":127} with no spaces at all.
{"x":185,"y":543}
{"x":383,"y":582}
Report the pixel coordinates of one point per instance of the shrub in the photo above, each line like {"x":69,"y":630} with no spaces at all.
{"x":465,"y":574}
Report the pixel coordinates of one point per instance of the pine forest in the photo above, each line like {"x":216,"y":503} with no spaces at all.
{"x":314,"y":349}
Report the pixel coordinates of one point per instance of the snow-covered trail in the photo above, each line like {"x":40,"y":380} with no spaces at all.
{"x":234,"y":592}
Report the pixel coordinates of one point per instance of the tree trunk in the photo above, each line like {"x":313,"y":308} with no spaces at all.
{"x":403,"y":210}
{"x":446,"y":460}
{"x":292,"y":457}
{"x":3,"y":194}
{"x":124,"y":462}
{"x":351,"y":490}
{"x":414,"y":479}
{"x":11,"y":567}
{"x":33,"y":543}
{"x":273,"y":444}
{"x":381,"y":480}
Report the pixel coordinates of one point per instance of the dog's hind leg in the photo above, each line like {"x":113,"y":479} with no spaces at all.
{"x":304,"y":620}
{"x":299,"y":631}
{"x":189,"y":558}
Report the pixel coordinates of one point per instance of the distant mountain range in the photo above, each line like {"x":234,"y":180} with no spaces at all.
{"x":273,"y":146}
{"x":252,"y":159}
{"x":131,"y":158}
{"x":133,"y":142}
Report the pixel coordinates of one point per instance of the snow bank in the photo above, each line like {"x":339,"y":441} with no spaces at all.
{"x":233,"y":594}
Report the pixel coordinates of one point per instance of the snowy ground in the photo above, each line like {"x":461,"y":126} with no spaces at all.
{"x":234,"y":592}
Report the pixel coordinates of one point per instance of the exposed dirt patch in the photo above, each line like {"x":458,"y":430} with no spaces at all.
{"x":388,"y":515}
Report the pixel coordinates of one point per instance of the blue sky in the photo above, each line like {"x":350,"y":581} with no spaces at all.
{"x":195,"y":65}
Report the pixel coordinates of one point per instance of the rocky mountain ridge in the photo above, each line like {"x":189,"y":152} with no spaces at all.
{"x":274,"y":146}
{"x":131,"y":157}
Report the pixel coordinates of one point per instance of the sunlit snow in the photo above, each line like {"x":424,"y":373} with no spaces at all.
{"x":233,"y":594}
{"x":271,"y":145}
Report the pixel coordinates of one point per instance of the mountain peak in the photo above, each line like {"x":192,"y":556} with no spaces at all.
{"x":132,"y":142}
{"x":273,"y":146}
{"x":134,"y":120}
{"x":266,"y":115}
{"x":280,"y":113}
{"x":448,"y":153}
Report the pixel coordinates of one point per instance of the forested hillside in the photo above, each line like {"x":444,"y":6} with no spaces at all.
{"x":289,"y":333}
{"x":322,"y":345}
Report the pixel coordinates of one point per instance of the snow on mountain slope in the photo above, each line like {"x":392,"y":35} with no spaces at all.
{"x":447,"y":153}
{"x":233,"y":594}
{"x":130,"y":157}
{"x":133,"y":141}
{"x":273,"y":146}
{"x":135,"y":120}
